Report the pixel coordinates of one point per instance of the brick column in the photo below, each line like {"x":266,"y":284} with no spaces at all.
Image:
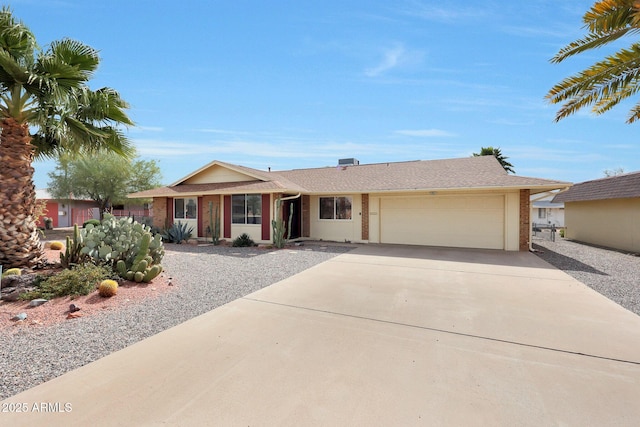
{"x":365,"y":217}
{"x":525,"y":226}
{"x":159,"y":212}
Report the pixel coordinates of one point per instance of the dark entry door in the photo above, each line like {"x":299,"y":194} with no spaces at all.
{"x":296,"y":224}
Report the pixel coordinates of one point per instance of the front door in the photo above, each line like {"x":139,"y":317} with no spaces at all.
{"x":288,"y":206}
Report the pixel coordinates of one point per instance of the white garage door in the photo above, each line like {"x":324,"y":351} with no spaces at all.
{"x":454,"y":221}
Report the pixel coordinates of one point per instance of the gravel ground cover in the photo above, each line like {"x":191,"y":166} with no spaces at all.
{"x":205,"y":277}
{"x":614,"y":274}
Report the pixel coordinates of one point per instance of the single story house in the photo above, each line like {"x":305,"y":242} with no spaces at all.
{"x":546,"y":212}
{"x":469,"y":202}
{"x":604,"y":212}
{"x":65,"y":213}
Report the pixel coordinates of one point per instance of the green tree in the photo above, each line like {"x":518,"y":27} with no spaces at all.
{"x":46,"y":108}
{"x":105,"y":179}
{"x":611,"y":80}
{"x":613,"y":172}
{"x":490,"y":151}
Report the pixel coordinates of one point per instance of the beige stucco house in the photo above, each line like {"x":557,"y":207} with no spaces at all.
{"x":469,"y":202}
{"x":604,"y":212}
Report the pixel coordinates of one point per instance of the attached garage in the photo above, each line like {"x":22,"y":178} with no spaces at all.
{"x":469,"y":221}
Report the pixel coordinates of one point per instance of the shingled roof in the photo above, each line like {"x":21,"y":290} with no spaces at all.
{"x":616,"y":187}
{"x":483,"y":172}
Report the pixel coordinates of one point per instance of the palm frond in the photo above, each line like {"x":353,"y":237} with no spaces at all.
{"x":602,"y":85}
{"x":103,"y":105}
{"x":634,"y":114}
{"x":606,"y":15}
{"x":591,"y":41}
{"x":83,"y":58}
{"x":15,"y":37}
{"x":10,"y":70}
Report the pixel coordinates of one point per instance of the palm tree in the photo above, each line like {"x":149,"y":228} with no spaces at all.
{"x":604,"y":84}
{"x":46,"y":108}
{"x":490,"y":151}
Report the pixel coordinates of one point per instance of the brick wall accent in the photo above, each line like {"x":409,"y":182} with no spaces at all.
{"x":226,"y":207}
{"x":159,"y":212}
{"x":525,"y":211}
{"x":365,"y":217}
{"x":306,"y":216}
{"x":266,"y":217}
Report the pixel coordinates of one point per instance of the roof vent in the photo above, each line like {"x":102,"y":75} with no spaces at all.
{"x":348,"y":162}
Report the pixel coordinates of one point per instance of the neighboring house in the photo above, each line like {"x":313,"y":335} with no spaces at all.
{"x":65,"y":213}
{"x":470,"y":202}
{"x":604,"y":212}
{"x":545,"y":212}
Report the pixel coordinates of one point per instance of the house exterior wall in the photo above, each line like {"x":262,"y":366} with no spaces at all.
{"x":525,"y":223}
{"x":552,"y":216}
{"x":259,"y":233}
{"x":51,"y":211}
{"x":218,"y":174}
{"x":363,"y":227}
{"x":614,"y":223}
{"x":336,"y":230}
{"x":512,"y":221}
{"x":159,"y":212}
{"x":365,"y":217}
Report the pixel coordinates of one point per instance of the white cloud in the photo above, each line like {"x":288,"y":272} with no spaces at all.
{"x":390,"y":60}
{"x":426,"y":133}
{"x":441,"y":14}
{"x":140,"y":129}
{"x":394,"y":57}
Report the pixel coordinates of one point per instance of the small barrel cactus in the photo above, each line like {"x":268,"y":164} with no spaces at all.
{"x":56,"y":246}
{"x":108,"y":288}
{"x":12,"y":272}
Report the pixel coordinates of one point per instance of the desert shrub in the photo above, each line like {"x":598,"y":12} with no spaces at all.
{"x":243,"y":240}
{"x":56,"y":246}
{"x":94,"y":222}
{"x":108,"y":288}
{"x":81,"y":280}
{"x":177,"y":233}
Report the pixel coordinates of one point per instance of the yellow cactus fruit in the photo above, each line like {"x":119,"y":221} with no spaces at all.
{"x":56,"y":246}
{"x":108,"y":288}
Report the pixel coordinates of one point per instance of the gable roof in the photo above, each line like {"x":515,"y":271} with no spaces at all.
{"x":483,"y":172}
{"x":615,"y":187}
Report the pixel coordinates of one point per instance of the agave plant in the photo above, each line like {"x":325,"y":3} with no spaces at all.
{"x":177,"y":233}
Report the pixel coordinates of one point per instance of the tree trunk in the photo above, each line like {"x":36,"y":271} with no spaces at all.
{"x":19,"y":241}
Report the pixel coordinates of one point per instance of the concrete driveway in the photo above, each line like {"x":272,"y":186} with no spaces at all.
{"x":382,"y":335}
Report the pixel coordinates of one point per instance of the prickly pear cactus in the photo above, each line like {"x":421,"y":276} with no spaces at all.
{"x":126,"y":245}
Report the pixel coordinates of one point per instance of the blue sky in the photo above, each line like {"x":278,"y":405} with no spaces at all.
{"x":294,"y":84}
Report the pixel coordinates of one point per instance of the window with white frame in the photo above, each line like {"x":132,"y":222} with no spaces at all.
{"x":186,"y":208}
{"x":246,"y":209}
{"x":335,"y":207}
{"x":542,"y":213}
